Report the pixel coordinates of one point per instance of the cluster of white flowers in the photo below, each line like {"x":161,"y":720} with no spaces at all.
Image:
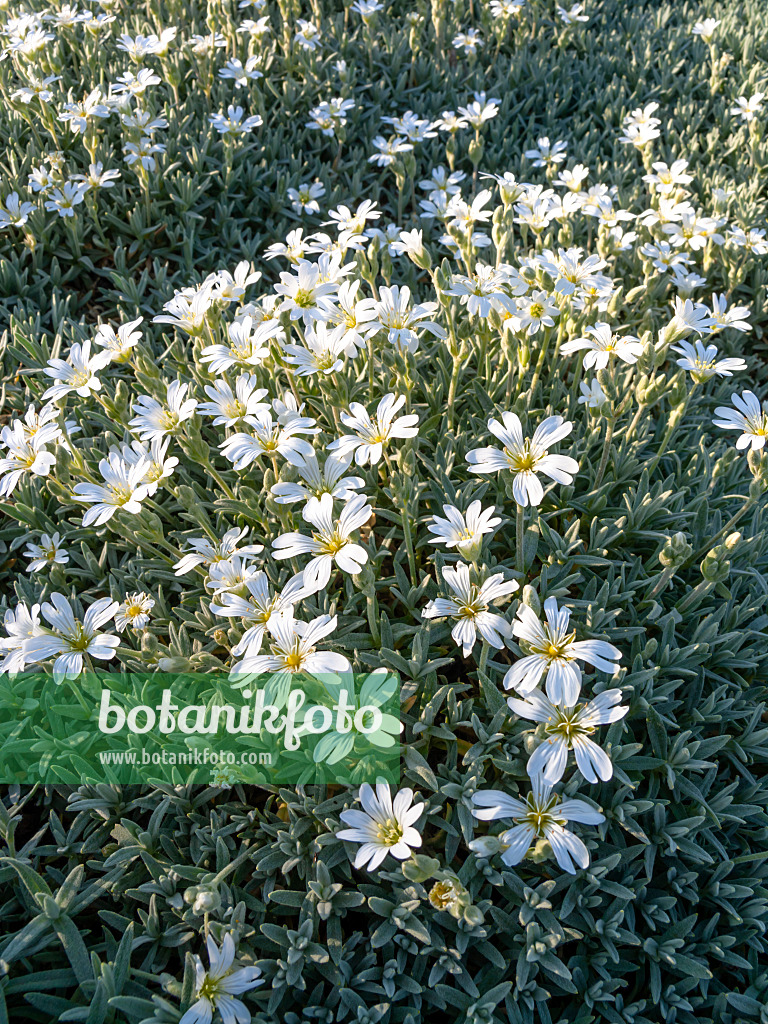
{"x":530,"y":274}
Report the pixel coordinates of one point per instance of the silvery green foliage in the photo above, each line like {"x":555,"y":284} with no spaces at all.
{"x":109,"y":895}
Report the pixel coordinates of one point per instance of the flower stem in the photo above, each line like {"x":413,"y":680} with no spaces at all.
{"x":540,"y":362}
{"x":520,"y":539}
{"x":606,"y":452}
{"x":457,"y":361}
{"x":674,"y":421}
{"x":372,"y":609}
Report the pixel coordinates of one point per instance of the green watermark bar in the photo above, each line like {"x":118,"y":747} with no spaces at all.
{"x":132,"y":728}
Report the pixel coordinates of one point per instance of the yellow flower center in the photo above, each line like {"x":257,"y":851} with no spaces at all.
{"x":120,"y":494}
{"x":390,"y":832}
{"x":293,"y":661}
{"x":552,"y":650}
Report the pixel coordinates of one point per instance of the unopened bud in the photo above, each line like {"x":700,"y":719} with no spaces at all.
{"x":476,"y":151}
{"x":675,"y":551}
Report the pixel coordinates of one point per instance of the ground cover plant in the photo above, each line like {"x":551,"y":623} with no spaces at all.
{"x":417,"y":337}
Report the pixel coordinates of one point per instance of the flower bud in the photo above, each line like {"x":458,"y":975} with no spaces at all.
{"x":476,"y":151}
{"x":676,"y":551}
{"x":715,"y":568}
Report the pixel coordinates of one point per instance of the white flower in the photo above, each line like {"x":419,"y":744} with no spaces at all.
{"x":383,"y":825}
{"x":569,"y":728}
{"x":331,"y":544}
{"x":134,"y":611}
{"x":686,"y":283}
{"x":573,"y":179}
{"x":533,"y":311}
{"x":481,"y":292}
{"x":702,"y":363}
{"x":688,"y":316}
{"x":258,"y":608}
{"x":78,"y":114}
{"x":306,"y":295}
{"x":749,"y":416}
{"x":723,"y":317}
{"x":354,"y":315}
{"x":469,"y":41}
{"x":248,"y":345}
{"x":242,"y":74}
{"x":119,"y":344}
{"x":124,"y":488}
{"x":694,"y":231}
{"x":506,"y":8}
{"x":752,"y":239}
{"x":143,"y":152}
{"x":14,"y":212}
{"x":271,"y":439}
{"x":570,"y":271}
{"x":401,"y":321}
{"x":69,"y":639}
{"x":344,"y":220}
{"x":410,"y":243}
{"x":640,"y":134}
{"x":414,"y":128}
{"x":142,"y":46}
{"x":546,"y":153}
{"x":543,"y":815}
{"x":388,"y":150}
{"x":705,"y":29}
{"x":154,"y":419}
{"x":135,"y":85}
{"x":206,"y":45}
{"x":232,"y":573}
{"x":307,"y":35}
{"x":207,"y":552}
{"x":328,"y":116}
{"x":526,"y":457}
{"x":663,"y":256}
{"x":20,"y":625}
{"x":481,"y":110}
{"x":77,"y":373}
{"x":231,"y":287}
{"x":217,"y":987}
{"x":667,"y":178}
{"x":36,"y":88}
{"x":746,"y":109}
{"x":317,"y":482}
{"x":555,"y":651}
{"x":229,"y":408}
{"x":601,"y":344}
{"x":154,"y":457}
{"x":471,"y":608}
{"x":367,"y":9}
{"x":187,"y":312}
{"x":323,"y":351}
{"x":27,"y":453}
{"x":304,"y":198}
{"x":232,"y":122}
{"x":466,"y":535}
{"x":48,"y":552}
{"x":592,"y":394}
{"x":373,"y":433}
{"x":294,"y":649}
{"x":573,"y":15}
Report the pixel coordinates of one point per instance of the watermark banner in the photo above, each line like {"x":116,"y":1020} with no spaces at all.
{"x":129,"y":728}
